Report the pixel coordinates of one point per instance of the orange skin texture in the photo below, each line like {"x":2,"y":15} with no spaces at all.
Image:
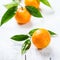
{"x":34,"y":3}
{"x":41,"y":38}
{"x":22,"y":16}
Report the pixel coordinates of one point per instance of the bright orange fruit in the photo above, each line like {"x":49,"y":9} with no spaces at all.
{"x":22,"y":16}
{"x":41,"y":38}
{"x":34,"y":3}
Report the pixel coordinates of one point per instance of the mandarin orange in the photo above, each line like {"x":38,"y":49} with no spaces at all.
{"x":22,"y":16}
{"x":34,"y":3}
{"x":41,"y":38}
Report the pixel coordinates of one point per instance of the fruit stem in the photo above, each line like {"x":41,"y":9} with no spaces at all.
{"x":21,"y":7}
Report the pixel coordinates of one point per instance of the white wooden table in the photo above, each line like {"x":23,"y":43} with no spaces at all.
{"x":10,"y":50}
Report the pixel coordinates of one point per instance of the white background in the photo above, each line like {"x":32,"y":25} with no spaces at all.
{"x":10,"y":50}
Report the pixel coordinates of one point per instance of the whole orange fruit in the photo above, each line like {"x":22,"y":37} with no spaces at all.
{"x":22,"y":16}
{"x":34,"y":3}
{"x":41,"y":38}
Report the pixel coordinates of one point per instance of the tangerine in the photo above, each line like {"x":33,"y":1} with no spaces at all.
{"x":34,"y":3}
{"x":22,"y":16}
{"x":41,"y":38}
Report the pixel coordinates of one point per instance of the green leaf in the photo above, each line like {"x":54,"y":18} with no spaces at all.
{"x":25,"y":46}
{"x":32,"y":31}
{"x":11,"y":5}
{"x":20,"y":37}
{"x":34,"y":11}
{"x":8,"y":15}
{"x":46,"y":2}
{"x":18,"y":1}
{"x":51,"y":33}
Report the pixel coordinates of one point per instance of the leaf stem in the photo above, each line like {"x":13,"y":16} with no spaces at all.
{"x":50,"y":58}
{"x":25,"y":57}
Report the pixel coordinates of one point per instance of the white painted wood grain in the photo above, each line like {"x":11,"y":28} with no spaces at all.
{"x":10,"y":50}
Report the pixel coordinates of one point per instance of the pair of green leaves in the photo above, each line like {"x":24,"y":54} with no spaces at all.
{"x":26,"y":45}
{"x":32,"y":31}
